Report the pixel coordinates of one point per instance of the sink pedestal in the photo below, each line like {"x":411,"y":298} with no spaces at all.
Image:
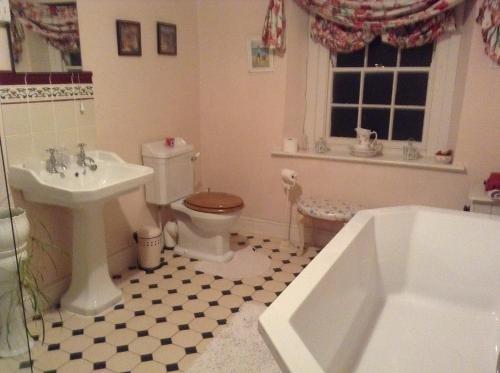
{"x":91,"y":290}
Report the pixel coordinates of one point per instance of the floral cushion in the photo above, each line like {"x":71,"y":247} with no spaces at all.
{"x":323,"y":208}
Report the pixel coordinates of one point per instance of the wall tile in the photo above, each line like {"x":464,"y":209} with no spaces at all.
{"x":64,"y":115}
{"x":88,"y":135}
{"x":42,"y":117}
{"x":21,"y":142}
{"x":19,"y":148}
{"x":43,"y":141}
{"x":14,"y":93}
{"x":16,"y":119}
{"x":61,"y":92}
{"x":3,"y":189}
{"x":68,"y":139}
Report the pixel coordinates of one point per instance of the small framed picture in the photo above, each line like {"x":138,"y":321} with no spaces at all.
{"x":260,"y":58}
{"x":128,"y":34}
{"x":167,"y":38}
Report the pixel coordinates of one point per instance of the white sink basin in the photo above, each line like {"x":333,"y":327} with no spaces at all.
{"x":84,"y":191}
{"x":112,"y":178}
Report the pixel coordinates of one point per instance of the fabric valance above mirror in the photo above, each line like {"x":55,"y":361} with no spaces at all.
{"x":57,"y":24}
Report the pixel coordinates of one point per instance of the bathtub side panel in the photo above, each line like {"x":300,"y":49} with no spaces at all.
{"x":336,"y":318}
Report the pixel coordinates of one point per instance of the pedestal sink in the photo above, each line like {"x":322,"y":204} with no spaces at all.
{"x":85,"y":192}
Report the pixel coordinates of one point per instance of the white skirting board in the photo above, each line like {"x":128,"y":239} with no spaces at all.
{"x":280,"y":230}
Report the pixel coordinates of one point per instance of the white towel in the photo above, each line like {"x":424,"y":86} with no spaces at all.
{"x":494,"y":194}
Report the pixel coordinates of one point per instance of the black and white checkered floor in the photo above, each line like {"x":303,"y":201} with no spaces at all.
{"x":167,"y":319}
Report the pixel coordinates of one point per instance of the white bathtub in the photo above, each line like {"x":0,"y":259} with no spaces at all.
{"x":405,"y":289}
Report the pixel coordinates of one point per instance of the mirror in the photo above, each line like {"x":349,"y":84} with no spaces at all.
{"x":44,"y":36}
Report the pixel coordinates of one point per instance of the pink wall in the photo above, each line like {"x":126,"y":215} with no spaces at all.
{"x":139,"y":99}
{"x":479,"y":134}
{"x":244,"y":116}
{"x":236,"y":118}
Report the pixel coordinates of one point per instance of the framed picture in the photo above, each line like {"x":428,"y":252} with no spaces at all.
{"x":128,"y":34}
{"x":166,"y":38}
{"x":260,"y":58}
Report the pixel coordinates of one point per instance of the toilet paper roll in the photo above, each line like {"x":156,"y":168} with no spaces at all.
{"x":288,"y":178}
{"x":290,"y":145}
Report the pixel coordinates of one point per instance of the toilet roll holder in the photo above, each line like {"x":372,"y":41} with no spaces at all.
{"x":289,"y":181}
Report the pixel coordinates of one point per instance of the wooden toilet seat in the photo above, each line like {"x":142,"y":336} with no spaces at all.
{"x":214,"y":202}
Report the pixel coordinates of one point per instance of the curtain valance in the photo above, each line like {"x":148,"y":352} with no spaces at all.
{"x":56,"y":23}
{"x":344,"y":26}
{"x":377,"y":15}
{"x":489,"y":19}
{"x":347,"y":25}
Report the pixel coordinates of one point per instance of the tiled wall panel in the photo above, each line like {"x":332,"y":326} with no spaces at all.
{"x":36,"y":117}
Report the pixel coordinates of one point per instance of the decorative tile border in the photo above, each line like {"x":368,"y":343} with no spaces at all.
{"x":85,"y":91}
{"x":40,"y":93}
{"x":39,"y":87}
{"x":11,"y":78}
{"x":13,"y":94}
{"x":57,"y":92}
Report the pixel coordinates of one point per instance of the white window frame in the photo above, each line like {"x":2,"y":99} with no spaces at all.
{"x":364,"y":71}
{"x":441,"y":95}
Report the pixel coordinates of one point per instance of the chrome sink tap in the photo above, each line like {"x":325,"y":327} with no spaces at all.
{"x":53,"y":165}
{"x":84,"y":161}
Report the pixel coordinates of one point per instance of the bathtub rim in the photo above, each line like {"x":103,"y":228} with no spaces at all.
{"x":275,"y":324}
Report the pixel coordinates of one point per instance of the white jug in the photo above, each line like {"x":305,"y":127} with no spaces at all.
{"x":365,"y":139}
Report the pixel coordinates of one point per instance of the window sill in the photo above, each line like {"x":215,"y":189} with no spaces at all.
{"x":395,"y":160}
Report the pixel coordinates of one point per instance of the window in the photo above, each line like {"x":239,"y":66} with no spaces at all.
{"x":399,"y":93}
{"x":380,"y":88}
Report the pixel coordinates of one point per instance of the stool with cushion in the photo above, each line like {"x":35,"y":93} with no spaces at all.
{"x":325,"y":209}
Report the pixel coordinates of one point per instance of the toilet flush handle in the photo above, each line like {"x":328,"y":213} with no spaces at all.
{"x":195,"y":156}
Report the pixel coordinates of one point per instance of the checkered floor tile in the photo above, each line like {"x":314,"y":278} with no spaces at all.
{"x":167,"y":319}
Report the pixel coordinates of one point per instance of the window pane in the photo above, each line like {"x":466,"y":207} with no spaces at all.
{"x":380,"y":54}
{"x":346,"y":88}
{"x":354,"y":59}
{"x":412,"y":89}
{"x":420,"y":56}
{"x":408,"y":124}
{"x":344,"y":121}
{"x":376,"y":120}
{"x":378,"y":88}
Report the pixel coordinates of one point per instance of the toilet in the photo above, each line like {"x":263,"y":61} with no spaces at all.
{"x":204,"y":219}
{"x":12,"y":331}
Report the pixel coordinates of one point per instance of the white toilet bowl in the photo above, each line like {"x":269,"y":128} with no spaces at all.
{"x":204,"y":235}
{"x":21,"y":227}
{"x":12,"y":331}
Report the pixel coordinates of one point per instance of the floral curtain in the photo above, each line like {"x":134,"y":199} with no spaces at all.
{"x":273,"y":34}
{"x":344,"y":26}
{"x":57,"y":23}
{"x":347,"y":25}
{"x":489,"y":19}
